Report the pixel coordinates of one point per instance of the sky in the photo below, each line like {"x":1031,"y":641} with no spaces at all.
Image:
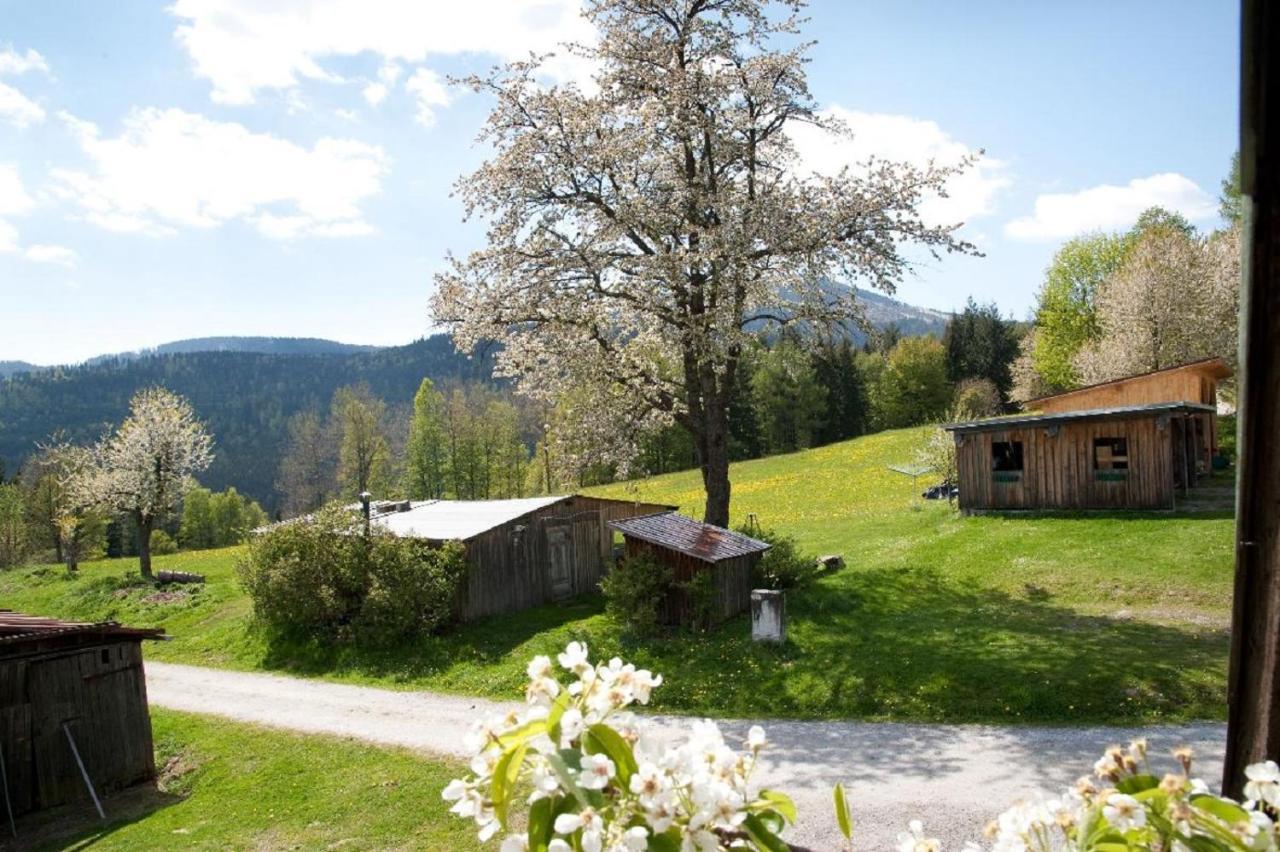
{"x":239,"y":167}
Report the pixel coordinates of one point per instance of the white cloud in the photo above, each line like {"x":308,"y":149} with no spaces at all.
{"x":8,"y":238}
{"x":1106,"y":207}
{"x":60,"y":255}
{"x":171,"y":169}
{"x":12,"y":62}
{"x":430,"y":91}
{"x":375,"y":93}
{"x":245,"y":46}
{"x":17,"y":109}
{"x":14,"y":200}
{"x":903,"y":138}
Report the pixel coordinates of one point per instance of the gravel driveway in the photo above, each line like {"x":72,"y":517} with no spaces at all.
{"x":954,"y":777}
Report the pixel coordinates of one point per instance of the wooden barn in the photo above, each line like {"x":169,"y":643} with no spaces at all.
{"x":691,"y":547}
{"x":71,"y":695}
{"x":1194,"y":382}
{"x":1127,"y":457}
{"x":522,"y":552}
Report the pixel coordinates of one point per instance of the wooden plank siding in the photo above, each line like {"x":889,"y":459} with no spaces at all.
{"x":1058,"y":466}
{"x":509,"y":564}
{"x":99,"y":691}
{"x":731,"y":581}
{"x":1196,"y":383}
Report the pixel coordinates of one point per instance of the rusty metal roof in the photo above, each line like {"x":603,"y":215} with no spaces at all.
{"x":17,"y":627}
{"x":692,"y":538}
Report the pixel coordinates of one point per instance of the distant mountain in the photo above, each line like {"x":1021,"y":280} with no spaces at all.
{"x":8,"y":368}
{"x":912,"y":321}
{"x":261,"y":345}
{"x":246,"y":398}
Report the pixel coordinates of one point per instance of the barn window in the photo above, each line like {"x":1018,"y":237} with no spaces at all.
{"x":1006,"y":461}
{"x":1110,"y":458}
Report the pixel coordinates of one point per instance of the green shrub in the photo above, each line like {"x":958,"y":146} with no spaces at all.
{"x":634,"y":591}
{"x":162,"y":544}
{"x":322,"y":577}
{"x":700,"y":600}
{"x":783,"y":566}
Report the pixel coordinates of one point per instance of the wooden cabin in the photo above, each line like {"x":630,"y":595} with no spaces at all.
{"x":522,"y":552}
{"x":1128,"y":457}
{"x":1193,"y":382}
{"x":690,"y":547}
{"x":68,"y":683}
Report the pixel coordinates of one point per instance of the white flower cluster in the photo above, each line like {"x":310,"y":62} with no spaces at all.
{"x":1124,"y":807}
{"x":601,"y":780}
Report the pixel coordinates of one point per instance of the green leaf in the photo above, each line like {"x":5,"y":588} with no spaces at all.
{"x":505,"y":774}
{"x":601,"y":739}
{"x":764,"y":839}
{"x":561,"y":769}
{"x":781,"y":803}
{"x":772,"y":820}
{"x":843,"y":818}
{"x":558,"y":707}
{"x":1137,"y":783}
{"x":668,"y":841}
{"x":522,"y":734}
{"x":1228,"y":812}
{"x":541,"y":823}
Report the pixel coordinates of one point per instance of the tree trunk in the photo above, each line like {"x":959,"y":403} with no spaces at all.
{"x":144,"y":548}
{"x":711,"y":439}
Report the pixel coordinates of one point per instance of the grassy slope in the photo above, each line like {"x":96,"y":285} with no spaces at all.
{"x":233,"y":786}
{"x":938,"y":617}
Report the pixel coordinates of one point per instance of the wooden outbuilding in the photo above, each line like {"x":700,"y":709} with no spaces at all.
{"x":1128,"y":457}
{"x":71,"y":695}
{"x":1193,"y":382}
{"x":691,"y":547}
{"x":522,"y":552}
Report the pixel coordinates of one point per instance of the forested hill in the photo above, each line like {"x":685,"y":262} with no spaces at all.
{"x":8,"y":368}
{"x":262,"y":345}
{"x":245,"y":397}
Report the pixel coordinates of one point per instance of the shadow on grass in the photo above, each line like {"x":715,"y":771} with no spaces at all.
{"x":483,"y":642}
{"x":76,"y":826}
{"x":907,"y":644}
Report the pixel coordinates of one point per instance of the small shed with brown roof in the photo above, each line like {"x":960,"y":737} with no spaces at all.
{"x":691,"y":547}
{"x":65,"y":683}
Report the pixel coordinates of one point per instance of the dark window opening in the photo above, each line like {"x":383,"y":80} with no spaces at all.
{"x":1111,"y":458}
{"x":1006,"y":456}
{"x":106,"y":656}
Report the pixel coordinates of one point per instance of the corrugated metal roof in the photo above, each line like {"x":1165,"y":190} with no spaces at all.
{"x":447,"y":520}
{"x":17,"y":627}
{"x":693,"y":538}
{"x":1150,"y":409}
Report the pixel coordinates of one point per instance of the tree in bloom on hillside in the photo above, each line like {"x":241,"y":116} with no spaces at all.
{"x":145,"y":466}
{"x":640,"y":232}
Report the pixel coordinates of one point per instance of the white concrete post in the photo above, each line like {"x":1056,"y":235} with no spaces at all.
{"x":768,"y":616}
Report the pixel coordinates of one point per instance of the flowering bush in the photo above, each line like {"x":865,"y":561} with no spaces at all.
{"x":1128,"y":808}
{"x":597,"y":779}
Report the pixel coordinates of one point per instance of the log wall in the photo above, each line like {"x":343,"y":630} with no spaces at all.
{"x":731,"y":577}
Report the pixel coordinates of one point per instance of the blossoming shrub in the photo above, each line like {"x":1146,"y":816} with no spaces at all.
{"x":1128,"y":808}
{"x":594,"y":778}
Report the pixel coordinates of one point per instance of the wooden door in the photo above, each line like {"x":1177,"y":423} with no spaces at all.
{"x":560,"y":561}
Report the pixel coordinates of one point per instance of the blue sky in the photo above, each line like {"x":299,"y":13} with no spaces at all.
{"x":202,"y":167}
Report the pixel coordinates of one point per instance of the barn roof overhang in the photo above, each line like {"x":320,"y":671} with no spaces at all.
{"x":20,"y":633}
{"x":673,"y":531}
{"x":1126,"y":412}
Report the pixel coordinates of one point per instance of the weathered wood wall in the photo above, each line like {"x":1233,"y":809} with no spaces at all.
{"x":1192,"y":384}
{"x":731,"y":581}
{"x":100,"y":692}
{"x":1058,"y":471}
{"x":511,"y":568}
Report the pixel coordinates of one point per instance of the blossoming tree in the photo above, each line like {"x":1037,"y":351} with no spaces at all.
{"x":640,"y":230}
{"x":147,"y":464}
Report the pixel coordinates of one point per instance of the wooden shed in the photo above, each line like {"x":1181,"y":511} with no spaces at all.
{"x":1129,"y":457}
{"x":1193,"y":382}
{"x":691,"y":547}
{"x":522,"y":552}
{"x":68,"y":687}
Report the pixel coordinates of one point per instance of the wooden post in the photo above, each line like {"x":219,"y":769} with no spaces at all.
{"x":1253,"y":721}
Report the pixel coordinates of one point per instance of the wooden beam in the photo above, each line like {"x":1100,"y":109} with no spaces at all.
{"x":1253,"y":723}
